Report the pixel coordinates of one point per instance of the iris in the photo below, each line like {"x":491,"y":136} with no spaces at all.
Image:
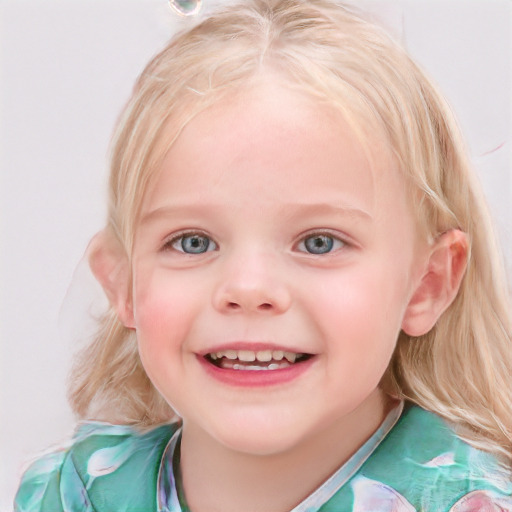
{"x":319,"y":244}
{"x":194,"y":244}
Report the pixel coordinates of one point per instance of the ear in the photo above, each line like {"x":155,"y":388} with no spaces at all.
{"x":439,"y":284}
{"x":110,"y":265}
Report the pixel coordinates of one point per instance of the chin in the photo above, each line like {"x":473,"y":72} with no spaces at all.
{"x":258,"y":445}
{"x":262,"y":438}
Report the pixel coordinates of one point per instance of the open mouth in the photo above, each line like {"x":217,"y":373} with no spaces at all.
{"x":254,"y":361}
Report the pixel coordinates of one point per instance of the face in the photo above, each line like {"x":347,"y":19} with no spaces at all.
{"x":272,"y":268}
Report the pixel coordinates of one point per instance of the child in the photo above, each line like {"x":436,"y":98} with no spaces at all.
{"x":300,"y":265}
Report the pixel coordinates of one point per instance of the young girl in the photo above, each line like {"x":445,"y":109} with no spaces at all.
{"x":308,"y":310}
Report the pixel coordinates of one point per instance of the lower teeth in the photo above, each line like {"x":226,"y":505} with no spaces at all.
{"x":273,"y":366}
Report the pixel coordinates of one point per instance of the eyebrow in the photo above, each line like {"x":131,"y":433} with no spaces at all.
{"x":310,"y":209}
{"x":175,"y":209}
{"x":291,"y":210}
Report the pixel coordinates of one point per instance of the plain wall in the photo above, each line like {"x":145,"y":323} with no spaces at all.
{"x":67,"y":67}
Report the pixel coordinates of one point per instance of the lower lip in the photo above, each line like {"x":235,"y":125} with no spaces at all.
{"x":256,"y":378}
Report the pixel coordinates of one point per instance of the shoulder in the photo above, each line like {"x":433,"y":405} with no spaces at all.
{"x":424,"y":462}
{"x":93,"y":471}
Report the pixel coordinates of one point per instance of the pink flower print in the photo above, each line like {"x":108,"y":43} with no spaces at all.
{"x":483,"y":501}
{"x":373,"y":496}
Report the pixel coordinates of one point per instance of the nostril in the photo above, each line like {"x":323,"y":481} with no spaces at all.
{"x":265,"y":306}
{"x":233,"y":305}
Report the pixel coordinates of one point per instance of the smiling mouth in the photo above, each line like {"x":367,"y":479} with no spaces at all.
{"x":249,"y":360}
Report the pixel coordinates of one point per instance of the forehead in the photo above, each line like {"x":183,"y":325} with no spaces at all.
{"x":269,"y":141}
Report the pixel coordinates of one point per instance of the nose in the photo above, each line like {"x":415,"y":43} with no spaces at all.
{"x":251,"y":285}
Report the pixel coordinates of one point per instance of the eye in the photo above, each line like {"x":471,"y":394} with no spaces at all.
{"x":192,"y":243}
{"x":320,"y":243}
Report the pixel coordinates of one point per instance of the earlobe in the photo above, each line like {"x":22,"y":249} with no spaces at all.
{"x":110,"y":266}
{"x":439,"y":284}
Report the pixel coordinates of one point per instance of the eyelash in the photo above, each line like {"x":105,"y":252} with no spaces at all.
{"x":334,"y":243}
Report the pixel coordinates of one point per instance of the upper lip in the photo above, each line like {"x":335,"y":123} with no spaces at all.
{"x":252,"y":346}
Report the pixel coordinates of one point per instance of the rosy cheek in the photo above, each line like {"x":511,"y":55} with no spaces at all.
{"x":163,"y":307}
{"x":351,"y":297}
{"x":356,"y":309}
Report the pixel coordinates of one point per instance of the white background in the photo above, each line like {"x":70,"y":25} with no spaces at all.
{"x":67,"y":68}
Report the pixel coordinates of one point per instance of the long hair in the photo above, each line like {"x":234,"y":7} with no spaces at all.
{"x":461,"y":369}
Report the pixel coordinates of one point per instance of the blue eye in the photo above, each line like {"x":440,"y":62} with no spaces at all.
{"x":193,"y":244}
{"x":320,"y":244}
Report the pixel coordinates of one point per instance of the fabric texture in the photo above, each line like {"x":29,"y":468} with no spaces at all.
{"x":414,"y":462}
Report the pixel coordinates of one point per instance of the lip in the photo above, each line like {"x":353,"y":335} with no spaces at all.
{"x":255,"y":378}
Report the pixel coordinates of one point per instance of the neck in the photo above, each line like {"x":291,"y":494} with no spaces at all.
{"x":217,"y":478}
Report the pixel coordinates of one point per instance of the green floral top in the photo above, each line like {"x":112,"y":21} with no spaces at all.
{"x":413,"y":462}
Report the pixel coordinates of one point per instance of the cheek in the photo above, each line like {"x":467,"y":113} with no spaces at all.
{"x":362,"y":298}
{"x":164,"y":310}
{"x":164,"y":307}
{"x":360,"y":313}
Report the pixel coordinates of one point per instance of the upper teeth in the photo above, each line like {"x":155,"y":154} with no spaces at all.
{"x":260,"y":355}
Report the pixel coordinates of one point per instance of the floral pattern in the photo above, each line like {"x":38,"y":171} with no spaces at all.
{"x":413,"y":463}
{"x":482,"y":501}
{"x":370,"y":495}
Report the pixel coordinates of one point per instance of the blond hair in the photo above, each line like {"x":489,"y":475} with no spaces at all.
{"x":461,"y":369}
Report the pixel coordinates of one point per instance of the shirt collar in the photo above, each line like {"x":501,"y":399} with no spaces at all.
{"x":167,"y":493}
